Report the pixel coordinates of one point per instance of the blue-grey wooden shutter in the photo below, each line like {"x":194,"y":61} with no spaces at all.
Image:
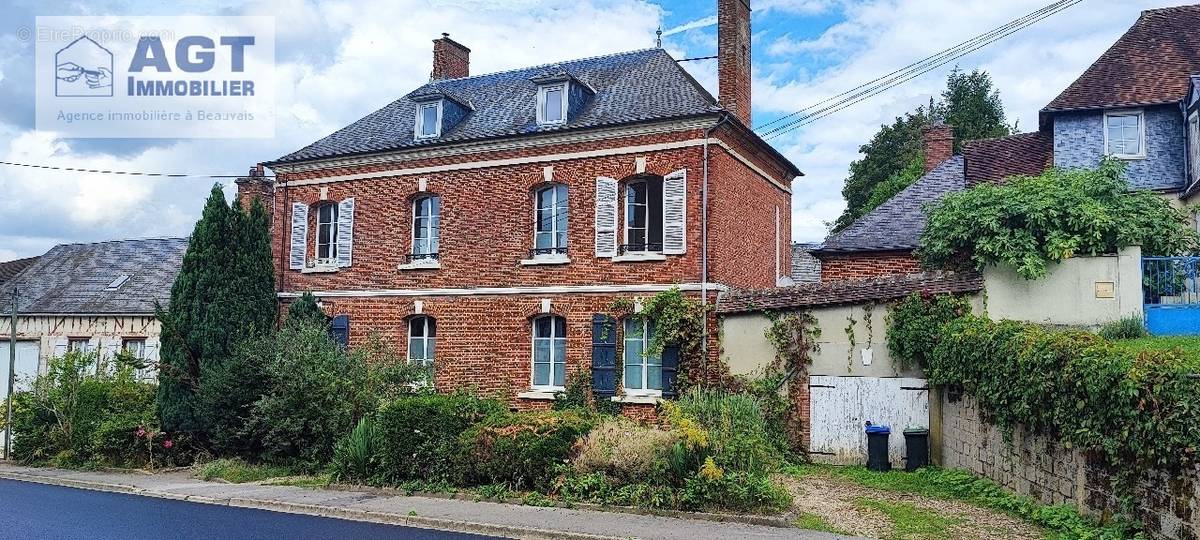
{"x":670,"y":367}
{"x":339,"y":327}
{"x":299,"y":240}
{"x":345,"y":228}
{"x":604,"y":356}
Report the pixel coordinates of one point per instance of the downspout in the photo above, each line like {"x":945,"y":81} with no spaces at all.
{"x":704,"y":246}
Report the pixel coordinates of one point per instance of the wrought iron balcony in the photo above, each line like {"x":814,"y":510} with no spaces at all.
{"x":639,"y":248}
{"x":417,"y":257}
{"x":547,"y":251}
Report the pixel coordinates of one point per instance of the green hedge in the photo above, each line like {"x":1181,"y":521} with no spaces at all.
{"x":418,"y":436}
{"x":521,"y":450}
{"x":1135,"y":409}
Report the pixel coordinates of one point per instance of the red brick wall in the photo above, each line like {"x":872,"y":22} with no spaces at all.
{"x":742,"y":239}
{"x":451,"y":60}
{"x":867,"y":265}
{"x":733,"y":57}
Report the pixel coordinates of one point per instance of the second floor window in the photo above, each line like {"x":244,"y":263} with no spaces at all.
{"x":1124,"y":134}
{"x":643,"y":216}
{"x":549,"y":351}
{"x":327,"y":231}
{"x":422,"y":335}
{"x":550,"y":221}
{"x":426,"y":224}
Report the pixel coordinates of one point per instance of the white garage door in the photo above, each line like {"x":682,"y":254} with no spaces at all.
{"x":27,"y":366}
{"x":842,"y":405}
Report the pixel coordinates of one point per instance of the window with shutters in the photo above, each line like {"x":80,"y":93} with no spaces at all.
{"x":422,"y":334}
{"x":327,"y":234}
{"x":426,"y":225}
{"x":643,"y":371}
{"x":643,"y":216}
{"x":549,"y":352}
{"x":549,"y":224}
{"x":136,"y":349}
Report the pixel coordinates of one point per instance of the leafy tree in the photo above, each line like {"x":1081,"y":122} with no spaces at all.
{"x":305,"y":310}
{"x":224,"y":293}
{"x":892,"y":160}
{"x":1031,"y":221}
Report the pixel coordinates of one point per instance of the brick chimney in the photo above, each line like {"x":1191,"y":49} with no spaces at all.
{"x":450,"y":59}
{"x":733,"y":57}
{"x":937,"y":144}
{"x":255,"y":186}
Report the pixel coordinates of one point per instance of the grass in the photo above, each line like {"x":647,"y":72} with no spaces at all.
{"x":910,"y":522}
{"x":239,"y":472}
{"x":1059,"y":521}
{"x":813,"y":522}
{"x":304,"y":481}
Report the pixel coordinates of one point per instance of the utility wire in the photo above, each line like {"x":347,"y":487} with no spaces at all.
{"x":907,"y":73}
{"x":127,"y":173}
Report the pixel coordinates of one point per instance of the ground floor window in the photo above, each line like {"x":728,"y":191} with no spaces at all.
{"x":549,"y":351}
{"x":643,"y":371}
{"x":422,"y":334}
{"x":136,"y":347}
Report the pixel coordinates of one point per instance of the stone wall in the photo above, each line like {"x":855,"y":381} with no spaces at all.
{"x":1045,"y":470}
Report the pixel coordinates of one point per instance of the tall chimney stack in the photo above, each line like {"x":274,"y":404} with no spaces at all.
{"x":451,"y":60}
{"x":733,"y":57}
{"x":937,"y":145}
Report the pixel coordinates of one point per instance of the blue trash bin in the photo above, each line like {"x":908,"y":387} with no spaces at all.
{"x":877,"y":448}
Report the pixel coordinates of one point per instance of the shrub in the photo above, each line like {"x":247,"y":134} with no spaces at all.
{"x":316,"y":392}
{"x":916,"y":324}
{"x":738,"y":491}
{"x":357,"y":456}
{"x":735,"y":429}
{"x":1127,"y":328}
{"x":418,"y":436}
{"x":625,"y":451}
{"x":523,"y":450}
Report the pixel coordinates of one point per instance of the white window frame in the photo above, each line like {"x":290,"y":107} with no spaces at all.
{"x":554,"y":210}
{"x":139,"y":353}
{"x":428,"y":227}
{"x":419,"y":126}
{"x":550,"y":387}
{"x":645,"y":342}
{"x":646,"y":228}
{"x":541,"y":103}
{"x":427,"y":323}
{"x":1141,"y":117}
{"x":331,"y":260}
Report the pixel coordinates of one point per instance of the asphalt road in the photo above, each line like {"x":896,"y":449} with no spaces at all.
{"x":36,"y":511}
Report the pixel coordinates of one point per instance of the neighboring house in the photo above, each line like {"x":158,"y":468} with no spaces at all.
{"x":10,"y":269}
{"x":805,"y":267}
{"x":1138,"y":102}
{"x":502,"y":216}
{"x":91,"y":297}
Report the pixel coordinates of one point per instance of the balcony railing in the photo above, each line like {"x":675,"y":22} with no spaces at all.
{"x":547,"y":251}
{"x":639,"y":248}
{"x":418,"y":257}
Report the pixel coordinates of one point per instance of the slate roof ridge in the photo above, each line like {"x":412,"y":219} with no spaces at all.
{"x":546,"y":65}
{"x":138,"y":239}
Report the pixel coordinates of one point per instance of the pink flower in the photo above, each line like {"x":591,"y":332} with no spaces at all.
{"x":168,"y":443}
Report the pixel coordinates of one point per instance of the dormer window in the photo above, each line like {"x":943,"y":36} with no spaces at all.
{"x":1125,"y":134}
{"x":552,"y":104}
{"x":429,"y":120}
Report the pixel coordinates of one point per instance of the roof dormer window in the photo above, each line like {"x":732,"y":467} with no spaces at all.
{"x":552,"y":104}
{"x":429,"y":120}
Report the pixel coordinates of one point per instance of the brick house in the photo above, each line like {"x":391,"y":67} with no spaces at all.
{"x":1138,"y":102}
{"x":501,"y":216}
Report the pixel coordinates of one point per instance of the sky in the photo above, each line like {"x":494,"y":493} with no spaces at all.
{"x":337,"y":61}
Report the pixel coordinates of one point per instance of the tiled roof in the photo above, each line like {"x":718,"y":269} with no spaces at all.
{"x":849,"y":292}
{"x":992,"y":160}
{"x":629,"y":87}
{"x":898,"y":223}
{"x":805,"y":267}
{"x":10,"y":269}
{"x":80,"y":278}
{"x":1150,"y":64}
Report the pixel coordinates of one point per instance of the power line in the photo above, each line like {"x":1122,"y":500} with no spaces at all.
{"x":916,"y":69}
{"x":127,"y":173}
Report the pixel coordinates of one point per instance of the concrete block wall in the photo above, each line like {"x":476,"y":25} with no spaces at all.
{"x":1045,"y":470}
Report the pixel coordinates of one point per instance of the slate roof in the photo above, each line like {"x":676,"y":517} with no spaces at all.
{"x":993,"y":160}
{"x":898,"y":223}
{"x":629,"y":87}
{"x":10,"y":269}
{"x":75,"y":278}
{"x":848,"y":292}
{"x":805,"y":267}
{"x":1151,"y":63}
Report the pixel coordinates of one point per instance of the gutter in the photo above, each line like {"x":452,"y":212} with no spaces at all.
{"x":704,"y":243}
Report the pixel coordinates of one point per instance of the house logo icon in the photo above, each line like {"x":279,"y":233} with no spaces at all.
{"x":83,"y":69}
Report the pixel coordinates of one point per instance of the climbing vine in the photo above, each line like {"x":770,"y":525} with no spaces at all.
{"x":794,"y":337}
{"x":850,"y":324}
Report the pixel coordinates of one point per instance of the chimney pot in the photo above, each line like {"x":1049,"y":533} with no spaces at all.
{"x":733,"y":57}
{"x":937,"y":145}
{"x":451,"y":60}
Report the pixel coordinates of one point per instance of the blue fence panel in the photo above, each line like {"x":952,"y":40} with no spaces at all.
{"x":1171,"y":295}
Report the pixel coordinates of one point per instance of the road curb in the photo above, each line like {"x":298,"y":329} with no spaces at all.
{"x":350,"y":514}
